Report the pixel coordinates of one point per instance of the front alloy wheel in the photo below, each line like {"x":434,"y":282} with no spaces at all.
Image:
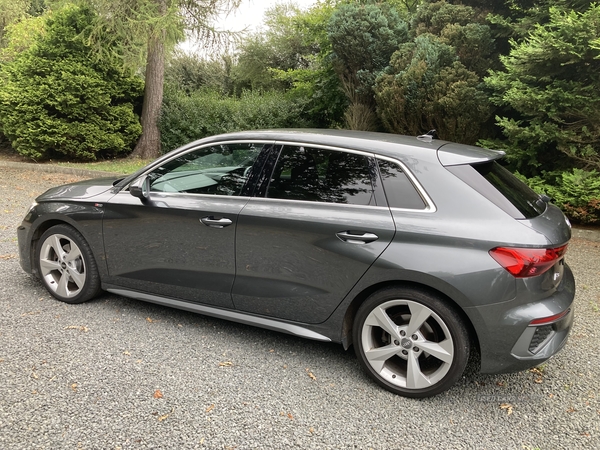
{"x":410,"y":342}
{"x":66,"y":265}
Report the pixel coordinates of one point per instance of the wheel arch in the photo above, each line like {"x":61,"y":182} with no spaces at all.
{"x":359,"y":299}
{"x":44,"y":224}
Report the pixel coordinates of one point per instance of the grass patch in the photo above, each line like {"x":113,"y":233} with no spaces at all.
{"x":124,"y":166}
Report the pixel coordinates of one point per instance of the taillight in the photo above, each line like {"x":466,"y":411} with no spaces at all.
{"x":527,"y":262}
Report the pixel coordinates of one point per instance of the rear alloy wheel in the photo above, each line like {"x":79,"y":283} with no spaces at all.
{"x":410,"y":342}
{"x":66,"y":265}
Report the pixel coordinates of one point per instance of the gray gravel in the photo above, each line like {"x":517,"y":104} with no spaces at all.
{"x":88,"y":376}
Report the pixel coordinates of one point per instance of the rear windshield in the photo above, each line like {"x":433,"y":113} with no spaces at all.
{"x":502,"y":188}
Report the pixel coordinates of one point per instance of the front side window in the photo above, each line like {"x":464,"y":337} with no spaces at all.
{"x":319,"y":175}
{"x":218,"y":170}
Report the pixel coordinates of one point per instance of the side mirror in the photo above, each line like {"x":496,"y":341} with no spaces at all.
{"x":140,"y":188}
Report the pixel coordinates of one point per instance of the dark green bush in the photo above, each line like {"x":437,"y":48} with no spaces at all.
{"x":205,"y":113}
{"x":56,"y":100}
{"x":426,"y":87}
{"x":576,"y":192}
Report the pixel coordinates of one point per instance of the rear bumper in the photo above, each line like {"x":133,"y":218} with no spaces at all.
{"x":508,"y":342}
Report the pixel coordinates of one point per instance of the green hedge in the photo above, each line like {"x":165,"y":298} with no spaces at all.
{"x":185,"y":118}
{"x":576,"y":192}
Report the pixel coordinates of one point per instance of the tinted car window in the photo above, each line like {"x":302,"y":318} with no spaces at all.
{"x":217,"y":170}
{"x":502,"y":188}
{"x":399,"y":190}
{"x":313,"y":174}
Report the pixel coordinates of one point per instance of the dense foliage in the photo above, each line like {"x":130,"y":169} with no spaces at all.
{"x":552,"y":80}
{"x":363,"y":38}
{"x":56,"y":100}
{"x":519,"y":75}
{"x":426,"y":87}
{"x":186,"y":118}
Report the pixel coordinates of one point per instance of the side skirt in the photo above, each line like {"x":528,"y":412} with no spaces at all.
{"x":234,"y":316}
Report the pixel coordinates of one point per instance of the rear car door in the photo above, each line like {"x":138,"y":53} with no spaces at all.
{"x":180,"y":243}
{"x":319,"y":224}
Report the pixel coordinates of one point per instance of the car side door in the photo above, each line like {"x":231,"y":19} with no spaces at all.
{"x":302,"y":243}
{"x":179,"y":242}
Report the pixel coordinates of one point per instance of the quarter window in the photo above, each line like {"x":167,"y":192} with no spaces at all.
{"x":319,"y":175}
{"x":218,"y":170}
{"x":399,"y":190}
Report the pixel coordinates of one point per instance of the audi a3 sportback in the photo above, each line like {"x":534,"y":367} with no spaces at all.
{"x":416,"y":251}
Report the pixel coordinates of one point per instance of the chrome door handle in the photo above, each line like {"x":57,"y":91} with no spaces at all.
{"x":212,"y":222}
{"x":356,"y":238}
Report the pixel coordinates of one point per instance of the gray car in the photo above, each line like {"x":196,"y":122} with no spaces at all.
{"x":416,"y":251}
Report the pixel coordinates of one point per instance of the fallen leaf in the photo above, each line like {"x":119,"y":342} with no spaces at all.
{"x":74,"y":387}
{"x":8,"y":256}
{"x":508,"y":407}
{"x":290,"y":416}
{"x":148,"y":319}
{"x":126,"y":352}
{"x":311,"y":375}
{"x":164,"y":416}
{"x":225,"y":364}
{"x":77,"y":327}
{"x":311,"y":430}
{"x":501,"y":383}
{"x":586,"y":434}
{"x":538,"y":380}
{"x":157,"y":394}
{"x":210,"y":408}
{"x":571,"y":410}
{"x":34,"y":375}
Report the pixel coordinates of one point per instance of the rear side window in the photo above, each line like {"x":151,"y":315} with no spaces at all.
{"x":399,"y":190}
{"x":320,"y":175}
{"x":502,"y":188}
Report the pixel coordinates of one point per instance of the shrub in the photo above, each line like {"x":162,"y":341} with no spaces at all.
{"x":55,"y":100}
{"x":426,"y":87}
{"x":205,"y":113}
{"x":576,"y":192}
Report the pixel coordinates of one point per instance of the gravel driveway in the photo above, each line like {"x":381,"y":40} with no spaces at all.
{"x":116,"y":373}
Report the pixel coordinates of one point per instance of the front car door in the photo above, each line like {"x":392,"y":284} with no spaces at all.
{"x":180,"y":242}
{"x":320,"y":224}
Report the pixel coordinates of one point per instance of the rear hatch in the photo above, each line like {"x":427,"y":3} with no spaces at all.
{"x":480,"y":169}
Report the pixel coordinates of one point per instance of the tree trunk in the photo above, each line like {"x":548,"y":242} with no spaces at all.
{"x":148,"y":145}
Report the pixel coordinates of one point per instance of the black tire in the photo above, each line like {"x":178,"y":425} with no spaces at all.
{"x":66,"y":265}
{"x":417,"y":359}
